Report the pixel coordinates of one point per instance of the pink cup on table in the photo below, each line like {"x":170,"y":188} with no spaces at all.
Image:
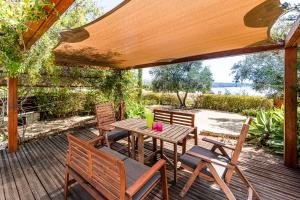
{"x":159,"y":126}
{"x":154,"y":126}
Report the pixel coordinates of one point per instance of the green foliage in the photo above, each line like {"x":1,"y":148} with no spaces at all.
{"x":39,"y":62}
{"x":232,"y":103}
{"x":14,"y":19}
{"x":63,"y":102}
{"x":153,"y":98}
{"x":186,"y":77}
{"x":267,"y":130}
{"x":250,"y":112}
{"x":135,"y":110}
{"x":265,"y":70}
{"x":119,"y":85}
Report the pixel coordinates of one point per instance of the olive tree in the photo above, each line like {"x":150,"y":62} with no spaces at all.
{"x":183,"y":77}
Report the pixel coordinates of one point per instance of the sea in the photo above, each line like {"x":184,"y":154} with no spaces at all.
{"x":242,"y":90}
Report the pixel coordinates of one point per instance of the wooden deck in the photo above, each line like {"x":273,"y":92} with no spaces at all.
{"x":36,"y":171}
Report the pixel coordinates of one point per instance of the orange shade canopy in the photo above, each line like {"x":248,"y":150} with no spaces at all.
{"x":141,"y":33}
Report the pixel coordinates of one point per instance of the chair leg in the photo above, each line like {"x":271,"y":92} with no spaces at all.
{"x":183,"y":146}
{"x":107,"y":141}
{"x":192,"y":179}
{"x":66,"y":187}
{"x":164,"y":182}
{"x":220,"y":182}
{"x":196,"y":136}
{"x":245,"y":180}
{"x":129,"y":148}
{"x":154,"y":142}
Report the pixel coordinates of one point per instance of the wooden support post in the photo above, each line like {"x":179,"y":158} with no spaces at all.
{"x":12,"y":115}
{"x":290,"y":108}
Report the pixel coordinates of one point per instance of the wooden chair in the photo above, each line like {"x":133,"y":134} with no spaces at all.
{"x":105,"y":115}
{"x":179,"y":118}
{"x":107,"y":174}
{"x":217,"y":167}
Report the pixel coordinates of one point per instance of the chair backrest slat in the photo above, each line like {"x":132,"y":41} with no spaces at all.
{"x":241,"y":141}
{"x":174,"y":117}
{"x":105,"y":114}
{"x":238,"y":148}
{"x":104,"y":172}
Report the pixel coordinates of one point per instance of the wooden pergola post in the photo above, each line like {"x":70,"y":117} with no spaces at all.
{"x":12,"y":115}
{"x":290,"y":96}
{"x":290,"y":107}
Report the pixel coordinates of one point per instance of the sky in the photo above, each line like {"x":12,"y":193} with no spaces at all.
{"x":220,"y":68}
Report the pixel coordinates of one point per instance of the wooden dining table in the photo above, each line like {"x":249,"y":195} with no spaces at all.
{"x":137,"y":128}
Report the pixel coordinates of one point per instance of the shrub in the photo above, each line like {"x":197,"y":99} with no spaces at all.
{"x":250,"y":112}
{"x":267,"y":130}
{"x":63,"y":102}
{"x":93,"y":98}
{"x":169,"y":99}
{"x":232,"y":103}
{"x":135,"y":110}
{"x":152,"y":98}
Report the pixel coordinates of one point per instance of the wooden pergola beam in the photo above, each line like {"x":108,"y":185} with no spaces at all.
{"x":37,"y":29}
{"x":293,"y":37}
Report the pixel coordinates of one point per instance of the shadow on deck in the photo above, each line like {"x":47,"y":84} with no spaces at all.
{"x":36,"y":171}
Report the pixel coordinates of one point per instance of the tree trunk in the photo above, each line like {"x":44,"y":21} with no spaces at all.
{"x":184,"y":99}
{"x":180,"y":100}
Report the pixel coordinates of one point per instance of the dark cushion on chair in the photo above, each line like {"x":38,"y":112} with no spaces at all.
{"x":113,"y":153}
{"x":117,"y":134}
{"x":192,"y":161}
{"x":135,"y":170}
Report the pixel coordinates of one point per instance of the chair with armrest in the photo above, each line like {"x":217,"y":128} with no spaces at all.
{"x":107,"y":174}
{"x":105,"y":116}
{"x":217,"y":167}
{"x":178,"y":118}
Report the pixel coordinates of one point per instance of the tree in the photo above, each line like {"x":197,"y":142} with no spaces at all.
{"x":186,"y":77}
{"x":266,"y":70}
{"x":14,"y":19}
{"x":39,"y":59}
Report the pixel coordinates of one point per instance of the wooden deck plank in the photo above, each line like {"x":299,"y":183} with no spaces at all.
{"x":34,"y":183}
{"x":57,"y":162}
{"x":42,"y":172}
{"x":78,"y":193}
{"x":2,"y":171}
{"x":20,"y":179}
{"x":40,"y":164}
{"x":9,"y":184}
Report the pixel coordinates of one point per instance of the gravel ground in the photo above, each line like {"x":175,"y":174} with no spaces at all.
{"x":215,"y":123}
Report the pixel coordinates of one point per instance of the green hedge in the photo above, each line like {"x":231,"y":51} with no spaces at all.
{"x":232,"y":103}
{"x":152,"y":98}
{"x":63,"y":103}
